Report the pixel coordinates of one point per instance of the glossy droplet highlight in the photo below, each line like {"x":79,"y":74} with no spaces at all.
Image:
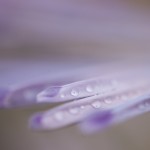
{"x":74,"y":110}
{"x":74,"y":93}
{"x":82,"y":107}
{"x":96,"y":104}
{"x":108,"y":101}
{"x":89,"y":89}
{"x":62,"y":96}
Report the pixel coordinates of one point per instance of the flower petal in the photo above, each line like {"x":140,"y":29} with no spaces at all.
{"x":76,"y":111}
{"x":98,"y":86}
{"x":123,"y":112}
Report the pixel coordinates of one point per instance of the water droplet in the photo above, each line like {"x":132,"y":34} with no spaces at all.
{"x":89,"y":89}
{"x":59,"y":116}
{"x":74,"y":110}
{"x":74,"y":93}
{"x":82,"y":107}
{"x":96,"y":104}
{"x":108,"y":101}
{"x":62,"y":95}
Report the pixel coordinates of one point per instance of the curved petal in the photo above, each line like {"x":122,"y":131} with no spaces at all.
{"x":123,"y":112}
{"x":76,"y":111}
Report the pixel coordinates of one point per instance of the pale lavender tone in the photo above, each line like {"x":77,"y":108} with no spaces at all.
{"x":123,"y":112}
{"x":104,"y":85}
{"x":78,"y":110}
{"x":24,"y":96}
{"x":97,"y":91}
{"x":21,"y":81}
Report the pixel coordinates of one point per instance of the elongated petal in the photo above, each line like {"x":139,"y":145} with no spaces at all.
{"x":22,"y":81}
{"x":91,"y":87}
{"x":123,"y":112}
{"x":23,"y":96}
{"x":77,"y":111}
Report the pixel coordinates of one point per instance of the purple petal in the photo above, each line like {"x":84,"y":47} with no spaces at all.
{"x":123,"y":112}
{"x":35,"y":121}
{"x":26,"y":95}
{"x":91,"y":87}
{"x":77,"y":111}
{"x":27,"y":80}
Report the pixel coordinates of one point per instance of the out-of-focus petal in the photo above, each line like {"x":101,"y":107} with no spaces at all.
{"x":24,"y":80}
{"x":120,"y":113}
{"x":24,"y":96}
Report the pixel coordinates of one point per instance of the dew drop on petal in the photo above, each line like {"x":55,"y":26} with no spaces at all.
{"x":96,"y":104}
{"x":62,"y":95}
{"x":74,"y":110}
{"x":82,"y":107}
{"x":74,"y":93}
{"x":108,"y":101}
{"x":89,"y":89}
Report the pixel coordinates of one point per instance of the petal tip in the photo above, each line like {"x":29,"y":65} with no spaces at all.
{"x":48,"y":95}
{"x":35,"y":122}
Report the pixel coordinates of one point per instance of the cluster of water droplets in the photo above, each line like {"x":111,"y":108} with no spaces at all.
{"x":96,"y":88}
{"x":78,"y":90}
{"x":76,"y":111}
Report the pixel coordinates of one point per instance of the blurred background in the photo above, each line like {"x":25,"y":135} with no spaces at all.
{"x":90,"y":29}
{"x":82,"y":32}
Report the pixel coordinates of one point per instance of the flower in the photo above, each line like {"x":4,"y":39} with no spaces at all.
{"x":97,"y":103}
